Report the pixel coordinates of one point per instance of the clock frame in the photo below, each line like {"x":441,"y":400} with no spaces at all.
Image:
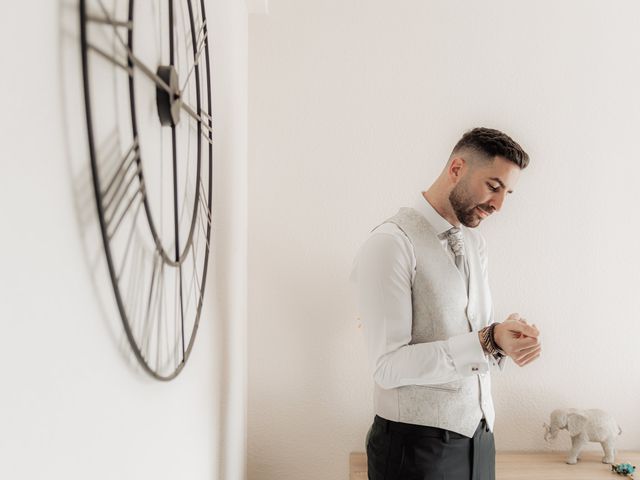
{"x":148,"y":105}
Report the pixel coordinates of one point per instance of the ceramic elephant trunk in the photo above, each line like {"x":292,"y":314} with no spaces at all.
{"x":550,"y":434}
{"x":584,"y":426}
{"x":558,"y":421}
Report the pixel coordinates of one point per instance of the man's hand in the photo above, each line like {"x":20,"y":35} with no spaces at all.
{"x":518,"y":339}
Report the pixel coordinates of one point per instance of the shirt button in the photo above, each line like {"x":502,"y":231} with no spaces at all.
{"x":474,"y":369}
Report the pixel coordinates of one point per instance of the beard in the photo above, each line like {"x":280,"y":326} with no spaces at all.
{"x":464,"y":207}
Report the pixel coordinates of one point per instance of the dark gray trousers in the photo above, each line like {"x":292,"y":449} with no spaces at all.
{"x":402,"y":451}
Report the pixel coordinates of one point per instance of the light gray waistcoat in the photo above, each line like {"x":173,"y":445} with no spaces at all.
{"x":441,"y":309}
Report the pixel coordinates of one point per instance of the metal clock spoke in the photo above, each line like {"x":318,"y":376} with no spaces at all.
{"x":200,"y":45}
{"x":133,"y":285}
{"x":181,"y":316}
{"x":206,"y":218}
{"x":154,"y":305}
{"x":123,"y":213}
{"x":156,"y":277}
{"x":155,"y":320}
{"x":207,"y":213}
{"x":109,"y":21}
{"x":206,"y":132}
{"x":112,"y":198}
{"x":131,"y":156}
{"x":203,"y":119}
{"x":130,"y":237}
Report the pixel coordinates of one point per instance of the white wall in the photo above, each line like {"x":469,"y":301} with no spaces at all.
{"x":354,"y":107}
{"x":72,"y":406}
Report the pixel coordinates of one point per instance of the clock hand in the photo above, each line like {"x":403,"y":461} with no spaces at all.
{"x":151,"y":75}
{"x":205,"y":119}
{"x":135,"y":60}
{"x":158,"y":81}
{"x":155,"y":78}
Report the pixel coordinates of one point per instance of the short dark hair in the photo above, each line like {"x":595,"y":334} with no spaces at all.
{"x":493,"y":143}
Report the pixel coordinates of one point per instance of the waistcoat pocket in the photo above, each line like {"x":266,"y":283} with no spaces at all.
{"x":447,"y":387}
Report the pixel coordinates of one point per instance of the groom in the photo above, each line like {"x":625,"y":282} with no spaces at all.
{"x":424,"y":300}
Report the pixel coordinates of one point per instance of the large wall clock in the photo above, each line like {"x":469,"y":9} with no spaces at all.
{"x":147,"y":90}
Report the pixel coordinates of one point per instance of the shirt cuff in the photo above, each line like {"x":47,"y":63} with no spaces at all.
{"x":467,"y":354}
{"x":500,"y":363}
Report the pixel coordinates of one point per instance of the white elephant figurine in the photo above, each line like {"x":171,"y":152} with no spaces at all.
{"x":585,"y":426}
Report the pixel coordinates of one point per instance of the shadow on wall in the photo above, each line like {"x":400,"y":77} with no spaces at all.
{"x":77,"y":152}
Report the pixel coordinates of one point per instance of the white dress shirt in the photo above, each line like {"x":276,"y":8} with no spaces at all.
{"x":383,"y":271}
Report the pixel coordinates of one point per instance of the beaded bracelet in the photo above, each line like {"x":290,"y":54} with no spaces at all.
{"x":489,"y":342}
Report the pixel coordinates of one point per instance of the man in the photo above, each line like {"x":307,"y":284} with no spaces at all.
{"x":424,"y":300}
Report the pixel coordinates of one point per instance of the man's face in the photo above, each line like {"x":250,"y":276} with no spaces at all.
{"x":482,"y":190}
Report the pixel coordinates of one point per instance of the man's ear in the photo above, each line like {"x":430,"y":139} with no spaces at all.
{"x":456,"y":169}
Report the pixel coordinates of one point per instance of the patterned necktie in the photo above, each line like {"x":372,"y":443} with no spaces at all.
{"x":456,"y":243}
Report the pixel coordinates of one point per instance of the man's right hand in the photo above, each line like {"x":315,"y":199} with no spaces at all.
{"x":518,"y":339}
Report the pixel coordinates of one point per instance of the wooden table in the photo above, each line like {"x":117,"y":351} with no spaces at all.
{"x":535,"y":466}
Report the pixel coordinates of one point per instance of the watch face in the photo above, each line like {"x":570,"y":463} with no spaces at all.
{"x":147,"y":91}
